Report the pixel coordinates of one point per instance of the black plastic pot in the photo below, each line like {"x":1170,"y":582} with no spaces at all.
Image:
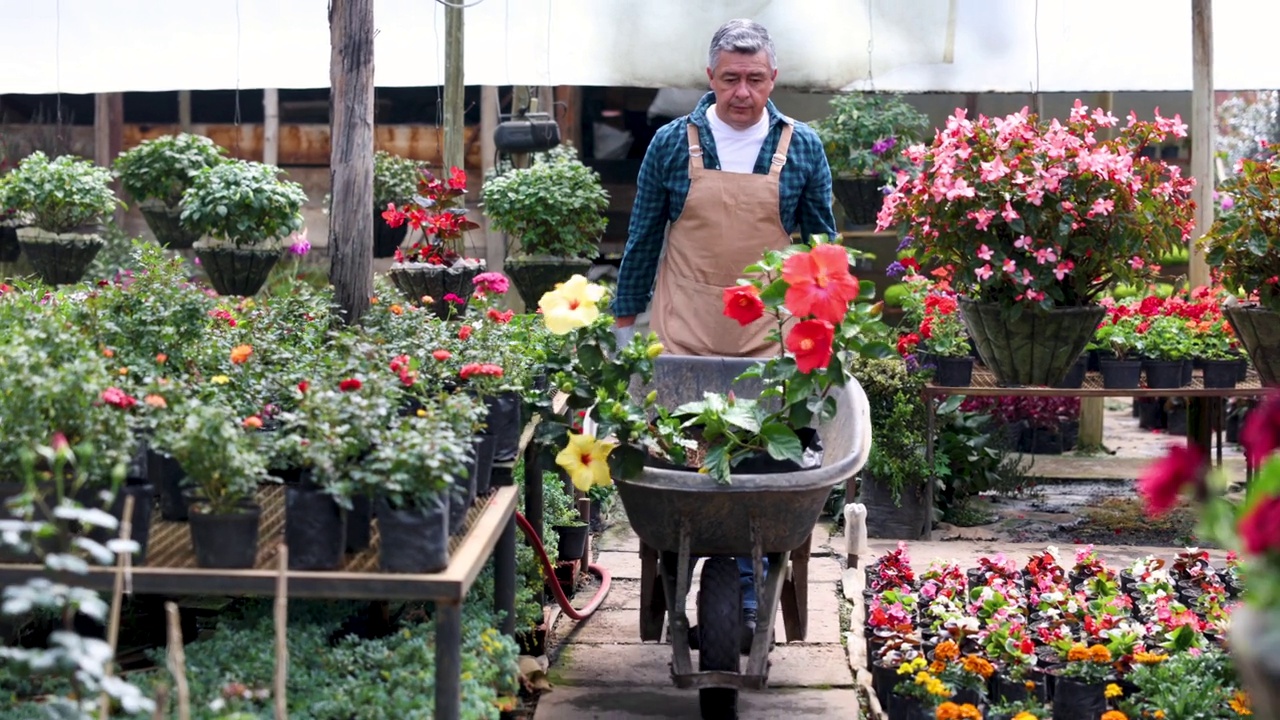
{"x":462,"y":496}
{"x":1164,"y":373}
{"x":503,"y":423}
{"x":414,"y":540}
{"x":573,"y":541}
{"x":1075,"y":376}
{"x":9,"y":247}
{"x":1221,"y":373}
{"x":226,"y":541}
{"x":62,"y":262}
{"x":482,"y":463}
{"x":314,"y":528}
{"x":287,"y":476}
{"x":359,"y":524}
{"x":1120,"y":374}
{"x":386,"y":238}
{"x":904,"y":520}
{"x":166,"y":476}
{"x":953,"y":371}
{"x":1074,"y":700}
{"x":902,"y":707}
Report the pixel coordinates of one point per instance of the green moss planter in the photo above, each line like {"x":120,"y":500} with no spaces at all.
{"x":1037,"y":348}
{"x":860,"y":198}
{"x":536,"y":275}
{"x":235,"y":271}
{"x":9,"y":247}
{"x":59,"y":258}
{"x":1259,"y":332}
{"x":417,"y":281}
{"x":166,"y":224}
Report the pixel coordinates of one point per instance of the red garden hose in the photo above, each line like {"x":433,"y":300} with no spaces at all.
{"x":599,"y":572}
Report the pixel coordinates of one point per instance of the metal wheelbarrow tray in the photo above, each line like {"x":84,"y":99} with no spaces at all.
{"x":681,"y":515}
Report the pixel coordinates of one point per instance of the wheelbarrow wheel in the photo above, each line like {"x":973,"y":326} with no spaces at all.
{"x":720,"y":631}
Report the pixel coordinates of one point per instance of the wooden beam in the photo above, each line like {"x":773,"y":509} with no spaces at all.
{"x":454,"y":89}
{"x":351,"y":32}
{"x":108,"y":127}
{"x":184,"y":110}
{"x":271,"y":126}
{"x":568,"y":113}
{"x":1202,"y":130}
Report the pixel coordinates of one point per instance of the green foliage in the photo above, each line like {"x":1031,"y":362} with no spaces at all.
{"x":860,"y":126}
{"x":395,"y":179}
{"x":220,"y":459}
{"x":975,"y":459}
{"x":558,"y":506}
{"x":1186,"y":686}
{"x":415,"y":461}
{"x":554,"y":207}
{"x":59,"y":195}
{"x":897,"y":423}
{"x":1244,"y":242}
{"x":1167,"y":338}
{"x":896,"y":295}
{"x":243,"y":203}
{"x":164,"y":167}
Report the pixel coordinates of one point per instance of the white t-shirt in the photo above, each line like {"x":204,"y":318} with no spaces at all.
{"x":737,"y":149}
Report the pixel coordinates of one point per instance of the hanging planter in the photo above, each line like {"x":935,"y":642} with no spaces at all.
{"x":414,"y":539}
{"x":314,"y":527}
{"x":165,"y":222}
{"x":1036,"y":348}
{"x":536,"y":275}
{"x":59,"y":258}
{"x":157,"y":172}
{"x":233,"y":271}
{"x":9,"y":247}
{"x":448,"y":288}
{"x":860,"y":198}
{"x":1259,"y":331}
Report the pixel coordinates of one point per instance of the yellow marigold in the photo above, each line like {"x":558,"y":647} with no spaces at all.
{"x":911,"y":666}
{"x":937,"y":688}
{"x":946,"y":650}
{"x":1149,"y":658}
{"x":948,"y":711}
{"x":1114,"y":715}
{"x":1113,"y":691}
{"x":1099,"y":654}
{"x":1078,"y":653}
{"x":1159,"y":715}
{"x":1240,"y":703}
{"x":1030,"y":684}
{"x":978,"y":666}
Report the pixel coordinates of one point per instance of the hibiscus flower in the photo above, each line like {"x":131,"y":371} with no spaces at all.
{"x":819,"y":283}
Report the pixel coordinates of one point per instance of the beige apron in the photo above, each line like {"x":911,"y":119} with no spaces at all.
{"x":728,"y":222}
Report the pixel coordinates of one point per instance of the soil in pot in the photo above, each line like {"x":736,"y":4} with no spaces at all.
{"x":314,"y":528}
{"x":225,"y":541}
{"x":359,"y":524}
{"x":573,"y":541}
{"x":234,"y":271}
{"x":414,"y":540}
{"x":1120,"y":374}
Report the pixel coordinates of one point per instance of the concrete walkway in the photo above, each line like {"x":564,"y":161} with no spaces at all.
{"x":603,"y":670}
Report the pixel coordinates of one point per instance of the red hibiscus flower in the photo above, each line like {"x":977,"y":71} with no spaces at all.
{"x":810,"y":341}
{"x":1260,"y":528}
{"x":350,"y":384}
{"x":1260,"y":435}
{"x":820,"y":283}
{"x":743,"y":303}
{"x":464,"y":332}
{"x":302,"y":387}
{"x":1164,"y":479}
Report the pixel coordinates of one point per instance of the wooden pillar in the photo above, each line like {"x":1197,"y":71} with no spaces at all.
{"x":1093,"y":409}
{"x":454,"y":88}
{"x":184,"y":110}
{"x":108,"y":135}
{"x":271,"y":126}
{"x":1202,"y":130}
{"x":351,"y":155}
{"x":568,"y":114}
{"x":495,"y":242}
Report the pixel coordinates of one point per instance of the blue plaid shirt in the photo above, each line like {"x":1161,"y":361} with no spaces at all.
{"x":663,"y":184}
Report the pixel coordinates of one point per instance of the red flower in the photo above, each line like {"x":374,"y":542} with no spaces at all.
{"x":394,"y":217}
{"x":400,"y":363}
{"x":1260,"y":435}
{"x":501,"y":318}
{"x":1260,"y":528}
{"x":253,"y":422}
{"x":810,"y":341}
{"x":457,"y":179}
{"x":485,"y":369}
{"x":1026,"y":647}
{"x":302,"y":387}
{"x":926,"y":327}
{"x":1164,"y":479}
{"x":820,"y":283}
{"x":441,"y":355}
{"x":464,"y":332}
{"x":350,"y":384}
{"x":117,"y":397}
{"x":1150,"y":306}
{"x":907,"y":344}
{"x":743,"y":303}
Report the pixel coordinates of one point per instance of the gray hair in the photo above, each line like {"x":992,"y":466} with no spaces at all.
{"x":742,"y":36}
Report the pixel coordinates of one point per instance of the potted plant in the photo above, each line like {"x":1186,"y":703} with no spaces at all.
{"x":465,"y":417}
{"x":66,"y":201}
{"x":555,"y":209}
{"x":244,"y":212}
{"x":864,"y":136}
{"x":1243,"y":248}
{"x":410,"y":472}
{"x":1081,"y":683}
{"x":1167,"y":347}
{"x":157,"y":172}
{"x":395,"y":181}
{"x":434,"y":270}
{"x":223,"y":468}
{"x":1116,"y":339}
{"x":1030,"y":252}
{"x":561,"y":513}
{"x":939,"y":340}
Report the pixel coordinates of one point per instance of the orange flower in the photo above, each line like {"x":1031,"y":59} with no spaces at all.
{"x":820,"y":283}
{"x":253,"y":422}
{"x":1099,"y":654}
{"x":948,"y":711}
{"x":743,"y":304}
{"x":1149,"y":658}
{"x":373,"y":300}
{"x":946,"y":650}
{"x":1114,"y":715}
{"x":155,"y":401}
{"x":977,"y":666}
{"x":161,"y":358}
{"x":937,"y":667}
{"x":240,"y":354}
{"x":108,"y":352}
{"x":810,"y":341}
{"x":1078,"y":653}
{"x":396,"y":310}
{"x":1240,"y":703}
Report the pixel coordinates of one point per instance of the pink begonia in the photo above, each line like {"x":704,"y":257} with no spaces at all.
{"x":491,"y":282}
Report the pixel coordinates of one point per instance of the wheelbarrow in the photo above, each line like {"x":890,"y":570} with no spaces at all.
{"x":683,"y":515}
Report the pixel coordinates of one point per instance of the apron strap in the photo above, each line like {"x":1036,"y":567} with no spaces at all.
{"x":695,"y":150}
{"x":780,"y":157}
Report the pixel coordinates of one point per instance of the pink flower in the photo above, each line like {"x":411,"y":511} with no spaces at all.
{"x":984,"y":252}
{"x":118,"y":398}
{"x":491,"y":282}
{"x":983,"y":272}
{"x":300,"y":245}
{"x":1023,"y":243}
{"x":1009,"y":266}
{"x":1164,"y":479}
{"x":1137,"y":263}
{"x":1064,"y":267}
{"x":1009,"y":214}
{"x":1260,"y":435}
{"x":1101,"y":207}
{"x":1045,"y":255}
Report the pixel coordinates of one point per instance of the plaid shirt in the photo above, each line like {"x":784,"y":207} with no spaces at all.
{"x":804,"y":194}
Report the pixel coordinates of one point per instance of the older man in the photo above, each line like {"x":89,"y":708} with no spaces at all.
{"x":718,"y":188}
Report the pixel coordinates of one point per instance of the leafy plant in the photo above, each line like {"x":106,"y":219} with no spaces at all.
{"x":60,"y":195}
{"x":865,"y":134}
{"x":219,"y":458}
{"x":163,"y":168}
{"x":417,"y":459}
{"x":558,"y":506}
{"x":395,"y":179}
{"x":243,"y":203}
{"x":1243,"y":246}
{"x":439,"y":211}
{"x":554,"y":207}
{"x":897,"y":423}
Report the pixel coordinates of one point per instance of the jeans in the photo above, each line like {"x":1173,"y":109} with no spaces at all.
{"x":747,"y":576}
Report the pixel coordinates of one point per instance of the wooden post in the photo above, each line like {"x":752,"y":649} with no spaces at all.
{"x":568,"y":114}
{"x":1202,"y":130}
{"x":282,"y":635}
{"x":108,"y":127}
{"x":1093,"y":409}
{"x":184,"y":110}
{"x":351,"y":155}
{"x":176,"y":659}
{"x":271,"y":126}
{"x":117,"y":600}
{"x":454,"y":88}
{"x":495,"y":242}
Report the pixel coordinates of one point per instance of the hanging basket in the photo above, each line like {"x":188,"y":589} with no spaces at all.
{"x":536,"y":275}
{"x":59,"y":258}
{"x":860,"y":198}
{"x":386,"y":238}
{"x":237,"y":271}
{"x":1037,"y":348}
{"x":419,"y":280}
{"x":1259,"y":332}
{"x":166,"y":224}
{"x":9,"y":247}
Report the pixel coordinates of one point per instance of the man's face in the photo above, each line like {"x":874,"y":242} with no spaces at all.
{"x":742,"y":84}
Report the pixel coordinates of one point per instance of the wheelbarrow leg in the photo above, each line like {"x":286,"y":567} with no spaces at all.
{"x":795,"y":594}
{"x":758,"y":661}
{"x":678,"y":626}
{"x":653,"y":596}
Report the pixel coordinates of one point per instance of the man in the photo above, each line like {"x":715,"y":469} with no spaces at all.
{"x":718,"y":188}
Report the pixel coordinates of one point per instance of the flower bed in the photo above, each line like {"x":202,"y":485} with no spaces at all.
{"x":1078,"y":638}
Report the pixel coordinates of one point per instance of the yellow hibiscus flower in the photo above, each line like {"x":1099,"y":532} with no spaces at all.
{"x":586,"y":460}
{"x":571,"y":305}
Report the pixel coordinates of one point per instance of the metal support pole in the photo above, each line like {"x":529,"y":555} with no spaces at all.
{"x":931,"y":427}
{"x":448,"y":661}
{"x":504,"y":578}
{"x":533,"y":488}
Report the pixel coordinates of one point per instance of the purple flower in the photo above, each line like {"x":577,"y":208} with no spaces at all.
{"x":906,"y":243}
{"x":884,"y":145}
{"x":895,"y":269}
{"x":300,"y":245}
{"x":1227,"y":202}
